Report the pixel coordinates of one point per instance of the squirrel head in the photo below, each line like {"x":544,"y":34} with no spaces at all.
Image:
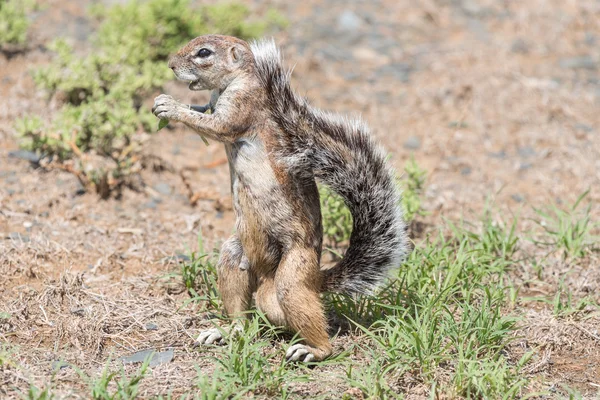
{"x":212,"y":61}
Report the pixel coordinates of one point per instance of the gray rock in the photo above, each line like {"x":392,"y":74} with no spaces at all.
{"x":25,"y":155}
{"x":349,"y":21}
{"x":151,"y":326}
{"x":80,"y":189}
{"x":584,"y":128}
{"x":183,"y":257}
{"x":465,"y":171}
{"x":478,"y":29}
{"x":398,"y":70}
{"x":498,"y":154}
{"x":412,"y":143}
{"x":58,"y":365}
{"x":471,"y":7}
{"x":78,"y":311}
{"x":583,"y":62}
{"x":156,"y":357}
{"x":590,"y":39}
{"x":517,"y":197}
{"x":162,"y":188}
{"x":519,"y":46}
{"x":150,"y":204}
{"x":526,"y":151}
{"x":525,"y":166}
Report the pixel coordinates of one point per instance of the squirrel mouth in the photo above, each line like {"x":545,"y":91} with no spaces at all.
{"x":193,"y":84}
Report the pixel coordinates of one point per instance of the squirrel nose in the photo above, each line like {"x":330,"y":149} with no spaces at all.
{"x":171,"y":63}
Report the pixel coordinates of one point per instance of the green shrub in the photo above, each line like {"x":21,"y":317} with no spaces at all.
{"x":337,"y":220}
{"x":13,"y":21}
{"x":413,"y":186}
{"x":571,"y":230}
{"x":104,"y":91}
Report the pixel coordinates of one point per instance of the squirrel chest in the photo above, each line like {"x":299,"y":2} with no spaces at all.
{"x":259,"y":201}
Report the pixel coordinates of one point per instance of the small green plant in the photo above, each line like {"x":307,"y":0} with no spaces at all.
{"x":199,"y":275}
{"x":443,"y":315}
{"x":413,"y":186}
{"x":104,"y":92}
{"x":498,"y":238}
{"x":35,"y":393}
{"x":6,"y":359}
{"x":126,"y":387}
{"x":14,"y":23}
{"x":337,"y":220}
{"x":247,"y":364}
{"x":569,"y":230}
{"x":371,"y":379}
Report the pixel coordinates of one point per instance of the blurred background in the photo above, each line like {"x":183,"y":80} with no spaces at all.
{"x":480,"y":103}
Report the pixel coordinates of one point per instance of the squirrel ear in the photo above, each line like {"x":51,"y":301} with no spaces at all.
{"x":236,"y":54}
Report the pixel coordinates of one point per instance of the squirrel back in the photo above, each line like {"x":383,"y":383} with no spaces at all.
{"x":340,"y":153}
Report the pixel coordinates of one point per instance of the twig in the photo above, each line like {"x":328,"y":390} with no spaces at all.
{"x":68,"y":168}
{"x":596,"y":337}
{"x":188,"y":187}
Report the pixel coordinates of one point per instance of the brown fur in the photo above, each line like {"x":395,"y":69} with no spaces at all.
{"x":278,"y":217}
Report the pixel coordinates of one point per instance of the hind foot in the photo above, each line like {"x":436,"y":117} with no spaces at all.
{"x":304,"y":353}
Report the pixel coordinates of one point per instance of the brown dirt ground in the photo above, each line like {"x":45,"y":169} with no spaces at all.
{"x":497,"y":100}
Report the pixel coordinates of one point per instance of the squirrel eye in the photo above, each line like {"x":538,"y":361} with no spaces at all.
{"x":203,"y":53}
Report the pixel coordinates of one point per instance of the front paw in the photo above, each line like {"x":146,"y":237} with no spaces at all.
{"x":166,"y":107}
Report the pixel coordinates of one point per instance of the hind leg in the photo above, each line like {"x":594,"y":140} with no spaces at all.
{"x":236,"y":285}
{"x":292,"y":299}
{"x":267,"y":303}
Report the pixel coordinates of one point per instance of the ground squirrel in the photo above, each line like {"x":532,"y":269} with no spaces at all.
{"x":277,"y":145}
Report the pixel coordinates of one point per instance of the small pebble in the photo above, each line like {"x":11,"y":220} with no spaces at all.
{"x":349,"y":21}
{"x":519,"y":46}
{"x":162,"y":188}
{"x":526,"y":151}
{"x":58,"y":365}
{"x":412,"y":143}
{"x":498,"y":154}
{"x":25,"y":155}
{"x":583,"y":62}
{"x":150,"y":326}
{"x":517,"y":197}
{"x":157,"y":358}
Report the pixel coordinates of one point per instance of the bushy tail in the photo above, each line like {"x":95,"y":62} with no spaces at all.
{"x":341,"y":154}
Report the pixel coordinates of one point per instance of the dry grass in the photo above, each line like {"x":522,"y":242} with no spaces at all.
{"x":499,"y":118}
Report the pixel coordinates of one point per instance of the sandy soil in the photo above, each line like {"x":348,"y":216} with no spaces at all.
{"x":498,"y":101}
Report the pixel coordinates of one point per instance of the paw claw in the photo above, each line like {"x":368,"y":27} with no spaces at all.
{"x":210,"y":336}
{"x":299,"y":352}
{"x":165,"y":107}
